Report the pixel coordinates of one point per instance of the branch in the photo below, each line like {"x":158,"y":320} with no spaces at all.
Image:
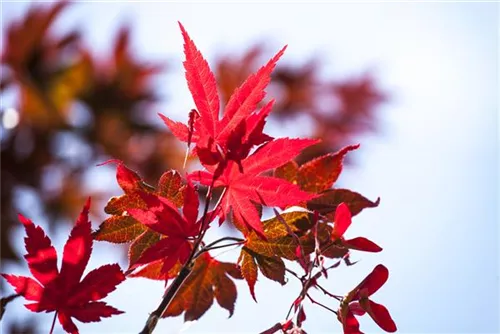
{"x":167,"y":298}
{"x":185,"y":270}
{"x":210,"y":245}
{"x":206,"y":249}
{"x":318,"y":303}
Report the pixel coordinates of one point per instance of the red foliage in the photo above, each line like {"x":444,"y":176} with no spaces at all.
{"x":167,"y":233}
{"x":357,"y":302}
{"x":64,"y":291}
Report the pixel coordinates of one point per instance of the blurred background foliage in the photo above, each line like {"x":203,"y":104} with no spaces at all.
{"x":74,"y":109}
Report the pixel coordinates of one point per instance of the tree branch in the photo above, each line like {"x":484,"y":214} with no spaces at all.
{"x":186,"y":269}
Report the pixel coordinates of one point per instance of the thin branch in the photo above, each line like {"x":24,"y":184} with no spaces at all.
{"x":276,"y":327}
{"x":339,"y":298}
{"x":210,"y":245}
{"x":206,"y":249}
{"x":293,"y":273}
{"x":318,"y":303}
{"x":53,"y":323}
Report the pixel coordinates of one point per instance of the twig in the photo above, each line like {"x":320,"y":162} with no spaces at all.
{"x":276,"y":327}
{"x":210,"y":245}
{"x":53,"y":323}
{"x":328,"y":293}
{"x":318,"y":303}
{"x":206,"y":249}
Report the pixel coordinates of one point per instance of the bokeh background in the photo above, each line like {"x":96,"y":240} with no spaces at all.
{"x":415,"y":83}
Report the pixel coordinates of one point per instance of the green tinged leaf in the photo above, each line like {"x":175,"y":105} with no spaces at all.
{"x":119,"y":229}
{"x":143,"y":242}
{"x":209,"y":279}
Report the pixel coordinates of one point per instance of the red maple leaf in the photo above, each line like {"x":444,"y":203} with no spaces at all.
{"x":241,"y":126}
{"x":64,"y":292}
{"x":162,"y":216}
{"x":245,"y":186}
{"x":357,"y":302}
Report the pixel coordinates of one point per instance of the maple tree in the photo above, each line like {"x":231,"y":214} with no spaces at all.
{"x":253,"y":174}
{"x":66,"y":91}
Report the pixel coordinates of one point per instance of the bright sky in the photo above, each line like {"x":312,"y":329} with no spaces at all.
{"x":434,"y":165}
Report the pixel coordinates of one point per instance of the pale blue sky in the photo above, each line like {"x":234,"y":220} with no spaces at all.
{"x":434,"y":165}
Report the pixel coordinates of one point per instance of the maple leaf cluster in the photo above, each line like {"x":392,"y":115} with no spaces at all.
{"x":254,"y":173}
{"x":67,"y":93}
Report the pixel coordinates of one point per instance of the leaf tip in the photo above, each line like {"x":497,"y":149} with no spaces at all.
{"x":25,"y":221}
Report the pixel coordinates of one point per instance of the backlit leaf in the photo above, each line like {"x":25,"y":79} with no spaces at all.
{"x":209,"y":280}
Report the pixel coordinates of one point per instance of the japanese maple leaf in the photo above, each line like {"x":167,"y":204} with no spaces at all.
{"x":342,"y":222}
{"x":163,"y":217}
{"x":64,"y":291}
{"x":267,"y":255}
{"x":122,"y":227}
{"x":357,"y":302}
{"x":209,"y":280}
{"x":241,"y":126}
{"x":245,"y":185}
{"x":318,"y":174}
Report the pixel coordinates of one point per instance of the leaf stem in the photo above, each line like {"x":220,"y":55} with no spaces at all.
{"x":53,"y":323}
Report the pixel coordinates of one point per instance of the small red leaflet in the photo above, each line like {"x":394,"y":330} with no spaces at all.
{"x":357,"y":302}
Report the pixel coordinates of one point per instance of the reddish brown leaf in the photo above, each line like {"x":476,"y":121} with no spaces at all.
{"x":288,"y":172}
{"x":328,"y":201}
{"x":321,"y":173}
{"x":170,"y":186}
{"x":266,"y":254}
{"x":119,"y":229}
{"x":147,"y":239}
{"x":209,"y":280}
{"x":144,"y":214}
